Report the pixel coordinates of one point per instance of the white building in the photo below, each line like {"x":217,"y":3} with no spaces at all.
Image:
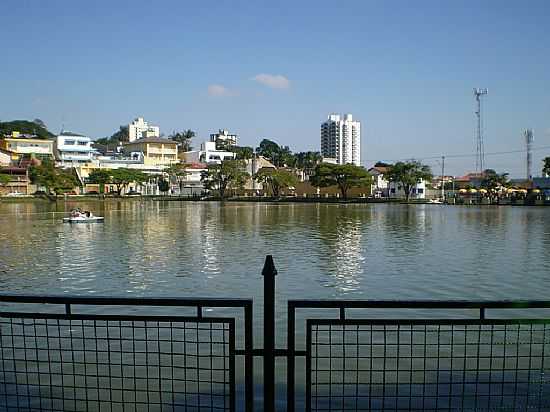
{"x":223,"y":139}
{"x":382,"y":188}
{"x":139,"y":129}
{"x":73,"y":149}
{"x":341,"y":139}
{"x":207,"y":154}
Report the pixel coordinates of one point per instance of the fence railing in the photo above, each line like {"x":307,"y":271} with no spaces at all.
{"x":75,"y":354}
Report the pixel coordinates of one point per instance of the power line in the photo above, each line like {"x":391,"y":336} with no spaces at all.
{"x":464,"y":155}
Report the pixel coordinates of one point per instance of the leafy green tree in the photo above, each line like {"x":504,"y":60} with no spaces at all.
{"x":344,"y":176}
{"x":276,"y":179}
{"x":493,"y":180}
{"x":53,"y":179}
{"x":121,"y":178}
{"x":4,"y":179}
{"x":26,"y":127}
{"x":163,"y":185}
{"x":100,"y":177}
{"x":408,"y":175}
{"x":307,"y":161}
{"x":278,"y":155}
{"x":546,"y":166}
{"x":184,"y":139}
{"x":230,"y":174}
{"x":243,"y":152}
{"x":122,"y":135}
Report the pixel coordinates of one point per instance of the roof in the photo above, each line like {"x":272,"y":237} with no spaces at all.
{"x":196,"y":166}
{"x":380,"y":169}
{"x":71,"y":134}
{"x":151,"y":140}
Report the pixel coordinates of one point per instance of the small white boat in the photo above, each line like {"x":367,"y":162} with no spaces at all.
{"x":78,"y":216}
{"x":436,"y":201}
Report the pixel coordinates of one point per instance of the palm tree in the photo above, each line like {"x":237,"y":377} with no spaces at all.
{"x":184,"y":139}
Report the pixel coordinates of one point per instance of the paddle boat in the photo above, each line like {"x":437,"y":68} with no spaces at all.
{"x":79,"y":216}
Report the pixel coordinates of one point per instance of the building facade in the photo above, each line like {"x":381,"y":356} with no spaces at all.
{"x":73,"y":149}
{"x":341,"y":139}
{"x":20,"y":145}
{"x":223,"y":139}
{"x":156,"y":151}
{"x":140,"y":129}
{"x":207,"y":154}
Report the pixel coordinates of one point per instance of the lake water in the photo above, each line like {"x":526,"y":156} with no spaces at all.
{"x":377,"y":251}
{"x":354,"y":251}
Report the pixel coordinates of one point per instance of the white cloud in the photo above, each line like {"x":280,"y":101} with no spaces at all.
{"x":218,"y":90}
{"x":275,"y":81}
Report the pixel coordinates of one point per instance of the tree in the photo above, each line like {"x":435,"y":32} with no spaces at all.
{"x":122,"y":135}
{"x":307,"y":161}
{"x":344,"y":176}
{"x":26,"y":127}
{"x":243,"y":152}
{"x":121,"y":178}
{"x":276,"y":179}
{"x":278,"y":155}
{"x":163,"y":185}
{"x":408,"y":175}
{"x":4,"y":179}
{"x":40,"y":123}
{"x":229,"y":174}
{"x":546,"y":167}
{"x":100,"y":177}
{"x":53,"y":179}
{"x":184,"y":139}
{"x":493,"y":181}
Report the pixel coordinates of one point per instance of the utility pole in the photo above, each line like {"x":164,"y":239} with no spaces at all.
{"x":528,"y":135}
{"x":480,"y":149}
{"x":443,"y":178}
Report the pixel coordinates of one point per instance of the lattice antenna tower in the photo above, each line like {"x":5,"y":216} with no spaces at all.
{"x":528,"y":136}
{"x":480,"y":149}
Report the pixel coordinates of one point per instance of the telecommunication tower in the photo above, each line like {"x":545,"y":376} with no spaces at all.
{"x":528,"y":135}
{"x":480,"y":149}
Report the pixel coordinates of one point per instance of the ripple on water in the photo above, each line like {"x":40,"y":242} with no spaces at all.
{"x":321,"y":251}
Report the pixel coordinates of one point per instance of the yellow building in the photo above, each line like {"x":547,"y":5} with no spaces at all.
{"x":19,"y":145}
{"x":156,"y":151}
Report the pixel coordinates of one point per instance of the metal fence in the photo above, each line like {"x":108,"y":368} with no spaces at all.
{"x":348,"y":355}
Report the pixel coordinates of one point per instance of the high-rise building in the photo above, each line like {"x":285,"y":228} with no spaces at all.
{"x":223,"y":139}
{"x":341,"y":139}
{"x":140,"y":129}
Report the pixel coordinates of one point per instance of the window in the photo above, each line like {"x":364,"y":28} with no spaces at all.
{"x":82,"y":143}
{"x":420,"y":191}
{"x":69,"y":142}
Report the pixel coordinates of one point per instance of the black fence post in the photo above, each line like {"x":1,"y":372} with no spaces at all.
{"x":269,"y":272}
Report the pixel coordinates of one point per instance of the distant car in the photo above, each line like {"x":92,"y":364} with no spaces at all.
{"x":133,"y":193}
{"x":14,"y":194}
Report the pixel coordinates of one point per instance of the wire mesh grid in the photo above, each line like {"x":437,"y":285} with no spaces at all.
{"x":357,"y":365}
{"x":56,"y":364}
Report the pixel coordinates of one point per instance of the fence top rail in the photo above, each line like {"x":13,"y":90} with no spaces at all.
{"x":123,"y":301}
{"x":417,"y":304}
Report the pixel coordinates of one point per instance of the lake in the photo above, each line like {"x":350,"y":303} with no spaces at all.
{"x":209,"y":249}
{"x":375,"y":251}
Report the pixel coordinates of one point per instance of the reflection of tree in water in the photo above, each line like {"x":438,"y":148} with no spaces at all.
{"x":343,"y":259}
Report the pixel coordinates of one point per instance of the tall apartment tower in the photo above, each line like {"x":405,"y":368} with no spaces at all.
{"x":341,"y":139}
{"x":139,"y":129}
{"x":224,"y":139}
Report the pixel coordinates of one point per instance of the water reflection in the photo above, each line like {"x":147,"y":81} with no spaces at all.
{"x":326,"y":250}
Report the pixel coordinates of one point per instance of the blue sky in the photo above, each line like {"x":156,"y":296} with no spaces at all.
{"x":277,"y":69}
